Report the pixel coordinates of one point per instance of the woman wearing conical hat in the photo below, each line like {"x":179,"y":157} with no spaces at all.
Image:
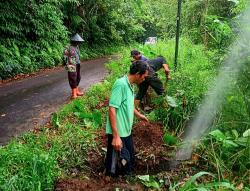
{"x":72,"y":64}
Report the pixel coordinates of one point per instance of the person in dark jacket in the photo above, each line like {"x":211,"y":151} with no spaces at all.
{"x":72,"y":64}
{"x":152,"y":79}
{"x":138,"y":56}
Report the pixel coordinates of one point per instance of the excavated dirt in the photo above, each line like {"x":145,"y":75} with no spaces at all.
{"x":151,"y":158}
{"x":149,"y":148}
{"x":100,"y":183}
{"x":151,"y":154}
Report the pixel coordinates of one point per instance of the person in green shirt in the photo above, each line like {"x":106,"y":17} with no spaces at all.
{"x":120,"y":149}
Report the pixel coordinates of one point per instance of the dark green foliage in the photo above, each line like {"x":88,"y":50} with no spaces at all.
{"x":243,"y":84}
{"x":230,"y":140}
{"x":32,"y":36}
{"x":227,"y":151}
{"x":210,"y":21}
{"x":218,"y":31}
{"x":169,"y":139}
{"x":104,"y":22}
{"x":204,"y":21}
{"x":33,"y":33}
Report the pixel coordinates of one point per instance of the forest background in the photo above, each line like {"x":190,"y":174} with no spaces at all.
{"x":34,"y":33}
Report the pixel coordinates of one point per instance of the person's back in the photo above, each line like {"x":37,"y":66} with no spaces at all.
{"x":143,"y":58}
{"x":157,"y":63}
{"x":152,"y":79}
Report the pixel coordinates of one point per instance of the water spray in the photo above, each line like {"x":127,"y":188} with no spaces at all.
{"x":232,"y":65}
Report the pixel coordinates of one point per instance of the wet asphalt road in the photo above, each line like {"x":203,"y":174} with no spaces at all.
{"x":28,"y":103}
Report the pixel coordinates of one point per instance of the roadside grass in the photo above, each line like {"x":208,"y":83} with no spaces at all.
{"x":37,"y":159}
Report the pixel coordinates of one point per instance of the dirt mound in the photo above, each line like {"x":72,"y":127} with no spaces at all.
{"x":149,"y":147}
{"x":102,"y":183}
{"x":150,"y":159}
{"x":147,"y":135}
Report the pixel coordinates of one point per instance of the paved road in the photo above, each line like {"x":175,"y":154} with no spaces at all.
{"x":29,"y":103}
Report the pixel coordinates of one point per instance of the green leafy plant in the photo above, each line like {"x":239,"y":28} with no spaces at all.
{"x":192,"y":184}
{"x":26,"y":168}
{"x":169,"y":139}
{"x":219,"y":31}
{"x":149,"y":181}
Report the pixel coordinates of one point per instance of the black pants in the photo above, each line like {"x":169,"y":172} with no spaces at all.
{"x":152,"y":81}
{"x":128,"y":144}
{"x":75,"y":77}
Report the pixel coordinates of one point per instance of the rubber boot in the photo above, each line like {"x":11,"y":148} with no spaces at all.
{"x":74,"y":93}
{"x":79,"y":93}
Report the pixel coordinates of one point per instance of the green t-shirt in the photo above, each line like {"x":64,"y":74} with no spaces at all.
{"x":122,"y":98}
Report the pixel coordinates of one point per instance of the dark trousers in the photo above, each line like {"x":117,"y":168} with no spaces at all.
{"x":128,"y":144}
{"x":75,"y":77}
{"x":152,"y":81}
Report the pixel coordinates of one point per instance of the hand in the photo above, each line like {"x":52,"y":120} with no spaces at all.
{"x":117,"y":143}
{"x":144,"y":118}
{"x":167,"y":72}
{"x":168,"y":77}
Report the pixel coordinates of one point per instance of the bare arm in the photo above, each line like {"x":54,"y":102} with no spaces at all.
{"x":167,"y":71}
{"x":116,"y":142}
{"x":139,"y":115}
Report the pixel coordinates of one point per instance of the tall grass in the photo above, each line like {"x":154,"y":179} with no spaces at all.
{"x":195,"y":71}
{"x":227,"y":154}
{"x":35,"y":160}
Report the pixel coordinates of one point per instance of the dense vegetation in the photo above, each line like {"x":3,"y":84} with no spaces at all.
{"x":34,"y":32}
{"x":33,"y":38}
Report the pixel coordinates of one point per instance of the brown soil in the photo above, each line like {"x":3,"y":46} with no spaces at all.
{"x":147,"y":135}
{"x":149,"y":147}
{"x":101,"y":183}
{"x":151,"y":158}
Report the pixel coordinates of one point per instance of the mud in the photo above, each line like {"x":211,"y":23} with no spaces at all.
{"x":151,"y":158}
{"x":101,"y":183}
